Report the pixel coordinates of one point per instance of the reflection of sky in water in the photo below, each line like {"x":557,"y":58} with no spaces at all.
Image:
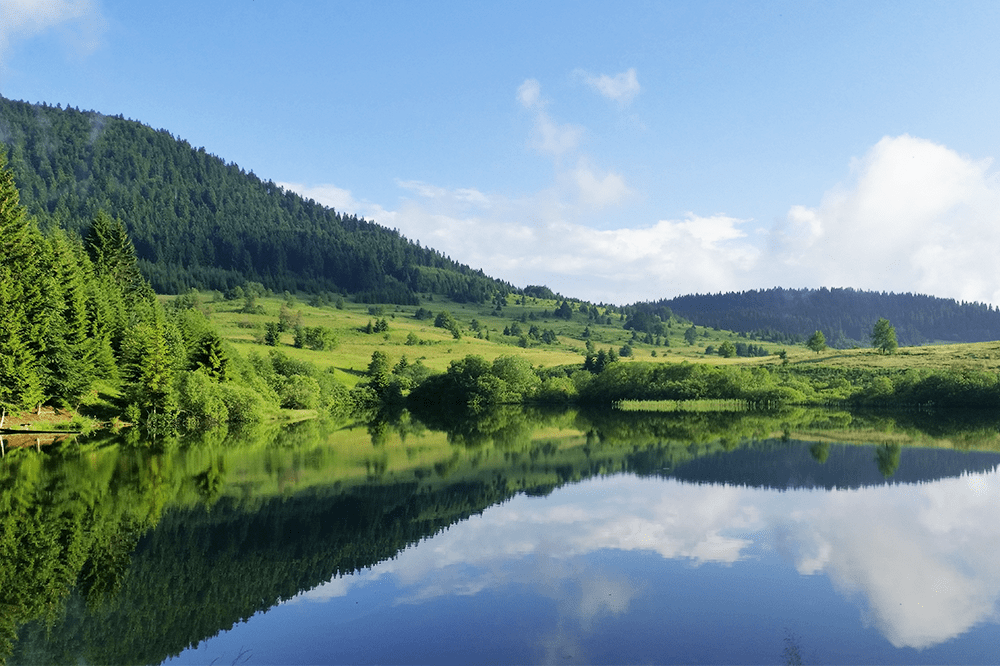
{"x":684,"y":565}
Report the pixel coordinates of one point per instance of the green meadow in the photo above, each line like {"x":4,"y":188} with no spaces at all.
{"x":482,"y":328}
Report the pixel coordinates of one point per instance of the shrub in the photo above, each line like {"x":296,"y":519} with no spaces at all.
{"x":201,"y":400}
{"x":244,"y":404}
{"x":300,"y":392}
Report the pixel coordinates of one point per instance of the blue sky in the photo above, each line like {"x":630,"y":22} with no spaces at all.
{"x":614,"y":153}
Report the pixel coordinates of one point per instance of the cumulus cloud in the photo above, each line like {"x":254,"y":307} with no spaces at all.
{"x":530,"y":241}
{"x":24,"y":19}
{"x":621,"y":88}
{"x":915,"y":216}
{"x":916,"y":558}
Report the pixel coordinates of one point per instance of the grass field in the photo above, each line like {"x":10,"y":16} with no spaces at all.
{"x":436,"y":347}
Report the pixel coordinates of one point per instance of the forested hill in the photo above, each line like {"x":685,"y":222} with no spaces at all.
{"x":845,"y":316}
{"x":197,"y":221}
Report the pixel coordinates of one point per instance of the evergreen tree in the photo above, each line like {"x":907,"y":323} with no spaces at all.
{"x":884,"y":337}
{"x":69,"y":354}
{"x":150,"y":367}
{"x":816,"y":342}
{"x":210,"y":357}
{"x":22,"y":334}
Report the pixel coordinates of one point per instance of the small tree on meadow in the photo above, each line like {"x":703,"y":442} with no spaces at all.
{"x":884,"y":337}
{"x":816,"y":342}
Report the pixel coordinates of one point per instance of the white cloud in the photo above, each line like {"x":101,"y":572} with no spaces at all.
{"x":329,"y":195}
{"x":550,"y":138}
{"x":598,"y":191}
{"x":530,"y":241}
{"x":461,"y":196}
{"x":918,"y":558}
{"x":621,"y":88}
{"x":916,"y":216}
{"x":24,"y":19}
{"x":530,"y":93}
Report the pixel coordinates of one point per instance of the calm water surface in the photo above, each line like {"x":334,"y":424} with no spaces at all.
{"x":569,"y":541}
{"x":631,"y":570}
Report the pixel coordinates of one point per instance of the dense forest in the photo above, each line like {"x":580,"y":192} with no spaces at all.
{"x":197,"y":221}
{"x":76,"y":315}
{"x":845,"y":316}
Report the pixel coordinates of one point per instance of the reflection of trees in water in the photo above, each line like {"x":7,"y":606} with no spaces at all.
{"x":791,"y":655}
{"x":887,"y":457}
{"x":214,"y":561}
{"x":820,"y":451}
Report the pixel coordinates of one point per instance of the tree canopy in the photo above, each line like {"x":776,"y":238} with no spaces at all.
{"x":196,"y":221}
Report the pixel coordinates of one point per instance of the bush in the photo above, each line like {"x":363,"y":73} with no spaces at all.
{"x":201,"y":400}
{"x":244,"y":404}
{"x":300,"y":392}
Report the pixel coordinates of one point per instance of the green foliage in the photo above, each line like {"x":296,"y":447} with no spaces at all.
{"x":149,"y":372}
{"x":300,"y":392}
{"x":445,"y":320}
{"x":474,"y":383}
{"x":272,"y":333}
{"x":727,"y":349}
{"x":317,"y":338}
{"x":790,"y":316}
{"x":243,"y":404}
{"x":597,"y":362}
{"x":883,"y":337}
{"x":199,"y":222}
{"x":201,"y":400}
{"x":816,"y":342}
{"x":210,"y":356}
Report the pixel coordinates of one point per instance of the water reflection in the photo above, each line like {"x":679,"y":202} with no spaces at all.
{"x":702,"y":537}
{"x":917,"y":561}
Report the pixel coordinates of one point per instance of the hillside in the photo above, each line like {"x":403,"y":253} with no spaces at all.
{"x":845,"y":316}
{"x":197,"y":221}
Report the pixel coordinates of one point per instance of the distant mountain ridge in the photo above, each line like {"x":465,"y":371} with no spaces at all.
{"x":845,"y":316}
{"x":197,"y":221}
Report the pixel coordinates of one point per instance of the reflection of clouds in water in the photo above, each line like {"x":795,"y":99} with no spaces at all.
{"x":920,"y":559}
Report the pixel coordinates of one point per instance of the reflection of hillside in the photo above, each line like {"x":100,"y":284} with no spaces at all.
{"x":234,"y":525}
{"x":785,"y":465}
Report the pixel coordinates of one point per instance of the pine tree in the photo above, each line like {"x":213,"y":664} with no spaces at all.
{"x":210,"y":357}
{"x":816,"y":342}
{"x":69,"y":354}
{"x":149,"y":366}
{"x":21,"y":326}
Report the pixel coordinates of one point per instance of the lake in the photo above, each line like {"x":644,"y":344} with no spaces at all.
{"x":518,"y":537}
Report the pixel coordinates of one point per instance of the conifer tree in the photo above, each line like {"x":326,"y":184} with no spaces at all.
{"x":149,"y":369}
{"x":69,"y":354}
{"x":21,"y":326}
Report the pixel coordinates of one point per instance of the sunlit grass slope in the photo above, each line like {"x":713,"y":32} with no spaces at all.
{"x":482,"y":333}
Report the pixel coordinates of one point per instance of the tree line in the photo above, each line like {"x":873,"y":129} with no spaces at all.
{"x":846,"y":316}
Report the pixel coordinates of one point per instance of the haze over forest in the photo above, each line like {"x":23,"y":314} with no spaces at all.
{"x":613,"y":154}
